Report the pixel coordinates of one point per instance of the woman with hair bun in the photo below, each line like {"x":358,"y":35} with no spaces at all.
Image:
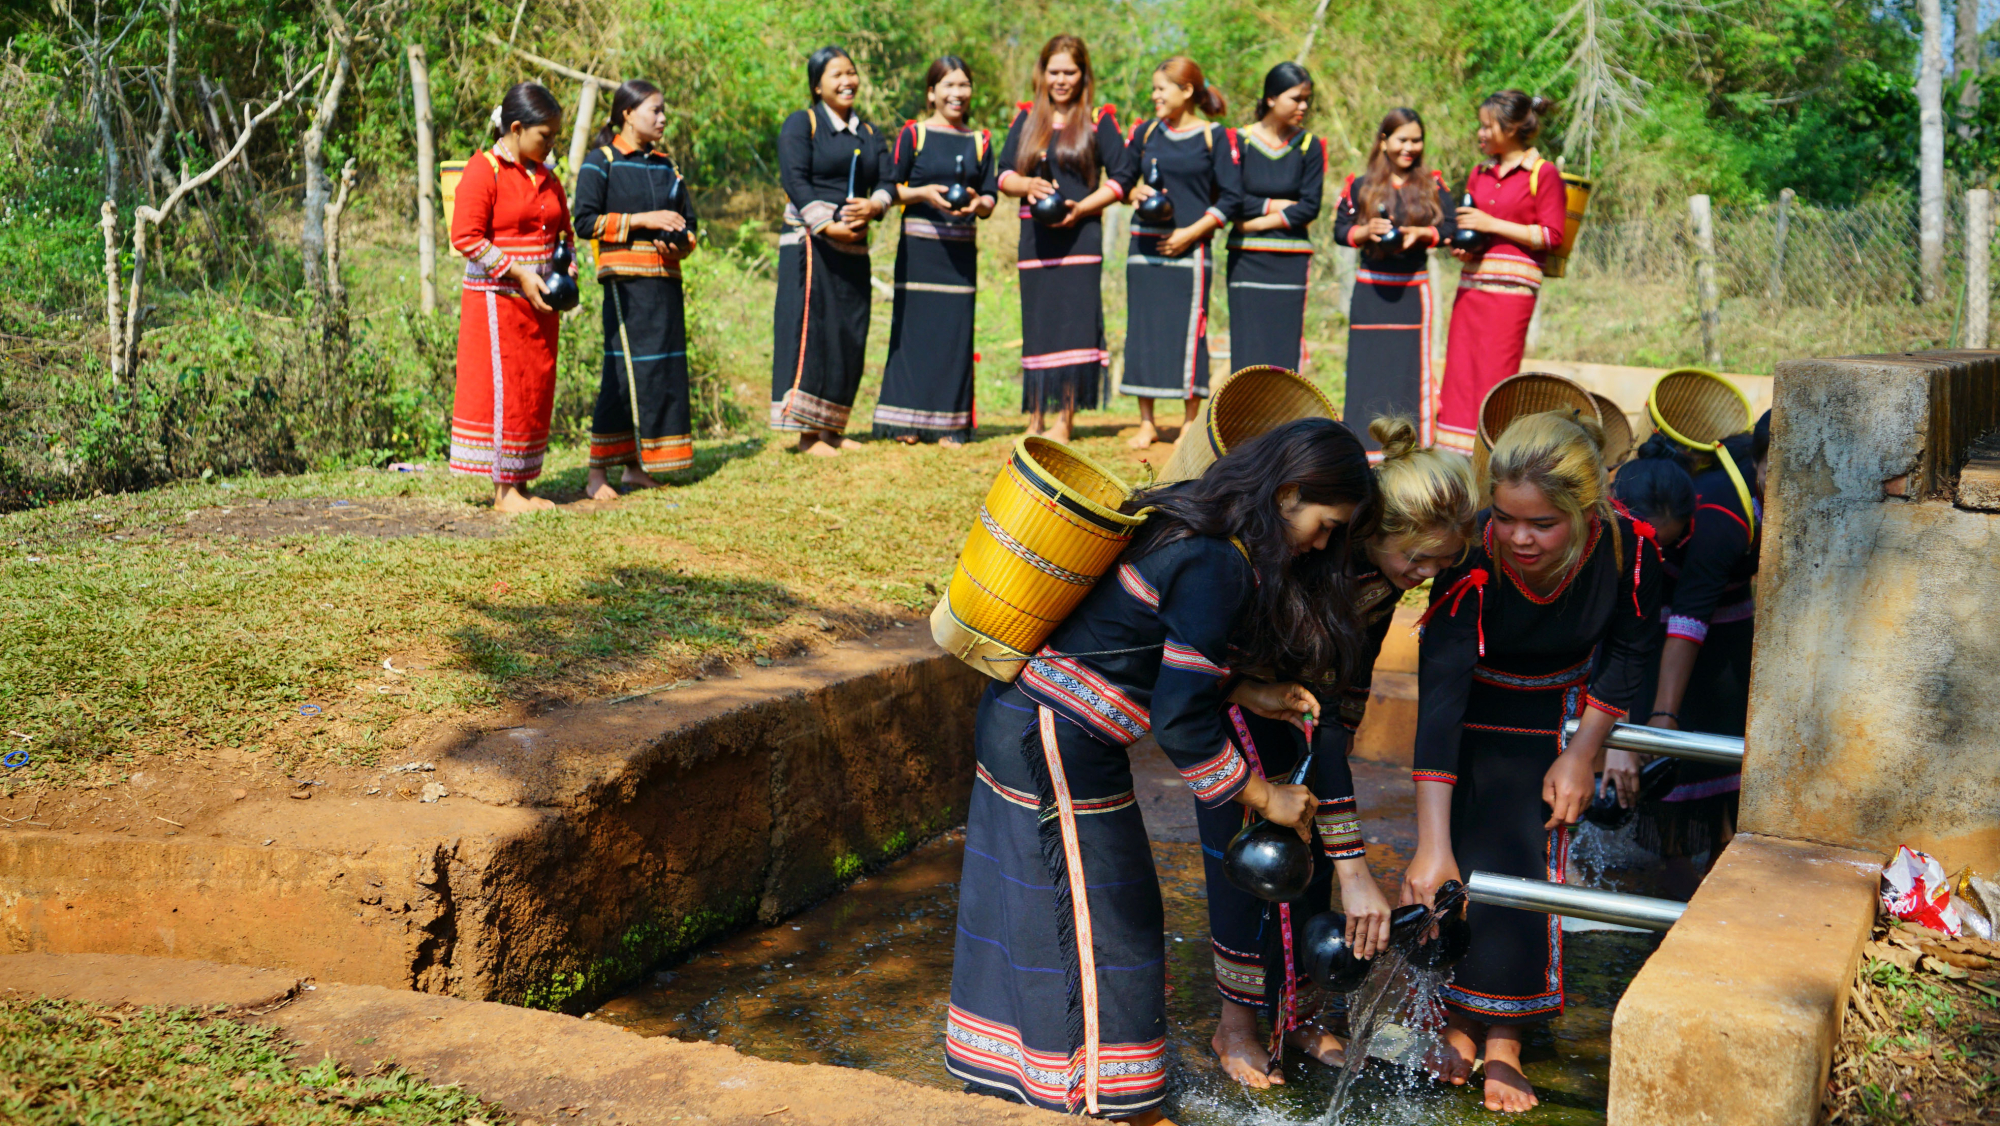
{"x":1549,"y":617}
{"x":1424,"y":513}
{"x":1389,"y":316}
{"x":1059,"y":144}
{"x":1168,"y":267}
{"x":835,"y":172}
{"x":1058,"y":988}
{"x":1270,"y":248}
{"x":508,"y":216}
{"x":1520,"y":204}
{"x":631,"y":198}
{"x":928,"y":383}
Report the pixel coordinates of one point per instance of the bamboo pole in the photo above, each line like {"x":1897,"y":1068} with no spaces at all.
{"x":1776,"y":290}
{"x":550,"y":64}
{"x":1708,"y":299}
{"x":579,"y":131}
{"x":1978,"y":264}
{"x":420,"y":93}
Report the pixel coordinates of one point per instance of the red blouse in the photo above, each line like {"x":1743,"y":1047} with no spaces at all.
{"x":504,"y":212}
{"x":1531,"y":193}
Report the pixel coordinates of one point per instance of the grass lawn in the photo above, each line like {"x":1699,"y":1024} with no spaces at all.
{"x":206,"y":617}
{"x":65,"y":1062}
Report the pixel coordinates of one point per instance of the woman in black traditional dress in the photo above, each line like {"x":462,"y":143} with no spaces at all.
{"x":1704,"y":666}
{"x":1548,"y":618}
{"x":1270,"y":249}
{"x":835,"y":171}
{"x":1168,"y":268}
{"x":1057,"y":143}
{"x":1389,"y":317}
{"x":927,"y":386}
{"x":1423,"y":522}
{"x":633,"y":201}
{"x":1058,"y":993}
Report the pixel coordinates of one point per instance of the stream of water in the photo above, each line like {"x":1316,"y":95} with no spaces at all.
{"x":862,"y":980}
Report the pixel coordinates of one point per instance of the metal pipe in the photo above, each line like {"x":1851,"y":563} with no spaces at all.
{"x":1696,"y":746}
{"x":1639,"y":911}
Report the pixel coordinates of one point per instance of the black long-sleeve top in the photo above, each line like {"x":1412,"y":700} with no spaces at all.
{"x":1172,"y":612}
{"x":931,"y":155}
{"x":814,"y":155}
{"x":1296,"y":172}
{"x":1199,"y":166}
{"x":1350,"y":228}
{"x":616,"y":183}
{"x":1595,"y":631}
{"x":1718,"y":559}
{"x":1075,"y":182}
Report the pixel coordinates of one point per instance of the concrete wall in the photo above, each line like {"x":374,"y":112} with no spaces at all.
{"x":1876,"y":682}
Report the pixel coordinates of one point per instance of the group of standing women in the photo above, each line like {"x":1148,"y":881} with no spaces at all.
{"x":513,"y":224}
{"x":1251,"y":604}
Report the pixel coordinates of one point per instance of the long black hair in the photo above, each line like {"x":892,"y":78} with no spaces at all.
{"x":1656,"y":485}
{"x":529,"y":103}
{"x":818,"y":61}
{"x":1281,"y":78}
{"x":1303,"y":625}
{"x":628,"y":97}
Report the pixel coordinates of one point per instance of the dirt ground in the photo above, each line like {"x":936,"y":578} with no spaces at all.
{"x":1920,"y":1041}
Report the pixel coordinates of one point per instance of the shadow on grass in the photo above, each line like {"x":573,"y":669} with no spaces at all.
{"x":566,"y":485}
{"x":625,"y":614}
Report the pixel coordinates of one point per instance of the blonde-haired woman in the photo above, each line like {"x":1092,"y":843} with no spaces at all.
{"x":1423,"y":523}
{"x":1506,"y":659}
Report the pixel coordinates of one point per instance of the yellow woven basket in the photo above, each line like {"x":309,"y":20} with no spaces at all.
{"x":1049,"y":529}
{"x":1530,"y":392}
{"x":1252,"y":401}
{"x":450,"y":172}
{"x":1697,"y":407}
{"x":1576,"y":201}
{"x":1618,"y":440}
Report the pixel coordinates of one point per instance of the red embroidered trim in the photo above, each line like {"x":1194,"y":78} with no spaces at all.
{"x":1474,"y":579}
{"x":1596,"y":533}
{"x":1647,"y":535}
{"x":1445,"y":776}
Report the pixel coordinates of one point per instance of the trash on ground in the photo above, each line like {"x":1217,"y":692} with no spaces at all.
{"x":1914,"y":889}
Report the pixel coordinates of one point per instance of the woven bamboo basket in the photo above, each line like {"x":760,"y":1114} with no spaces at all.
{"x":1576,"y":201}
{"x":1697,"y":407}
{"x":1049,"y":529}
{"x":1618,"y":443}
{"x":1252,"y":401}
{"x":450,"y":172}
{"x":1530,"y":392}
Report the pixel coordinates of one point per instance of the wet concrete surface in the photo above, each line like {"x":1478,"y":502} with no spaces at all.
{"x":862,"y":980}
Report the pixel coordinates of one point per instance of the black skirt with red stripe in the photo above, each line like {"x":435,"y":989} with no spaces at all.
{"x":1389,"y":352}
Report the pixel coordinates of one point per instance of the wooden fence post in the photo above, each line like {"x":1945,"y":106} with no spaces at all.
{"x":579,"y":133}
{"x":1776,"y":290}
{"x":1978,"y":262}
{"x":1706,"y":297}
{"x":420,"y":91}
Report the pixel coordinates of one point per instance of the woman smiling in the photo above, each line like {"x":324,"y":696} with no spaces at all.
{"x":1549,"y":617}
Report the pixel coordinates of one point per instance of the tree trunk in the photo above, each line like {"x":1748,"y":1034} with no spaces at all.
{"x":312,"y":233}
{"x":1978,"y":259}
{"x":420,"y":92}
{"x":335,"y":288}
{"x":107,"y":219}
{"x":1707,"y":298}
{"x":1968,"y":51}
{"x":156,"y":149}
{"x":579,"y":132}
{"x":1930,"y":154}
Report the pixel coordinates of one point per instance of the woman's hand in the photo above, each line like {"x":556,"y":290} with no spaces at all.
{"x":1037,"y":188}
{"x":660,"y":221}
{"x":1570,"y":784}
{"x":1285,"y":701}
{"x":984,"y":208}
{"x":1433,"y":866}
{"x":1072,"y":217}
{"x":531,"y":285}
{"x":1473,"y":219}
{"x":1141,"y":193}
{"x":675,"y":251}
{"x":1366,"y":908}
{"x":844,"y":232}
{"x":1621,"y":770}
{"x":1378,"y":228}
{"x":857,"y":212}
{"x":1180,"y":242}
{"x":1281,"y":804}
{"x":1461,"y":255}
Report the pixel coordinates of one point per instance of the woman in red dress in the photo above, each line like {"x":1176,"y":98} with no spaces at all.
{"x":508,"y":216}
{"x":1520,"y":203}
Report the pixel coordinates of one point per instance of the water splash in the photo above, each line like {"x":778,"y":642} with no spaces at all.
{"x":1397,"y":1016}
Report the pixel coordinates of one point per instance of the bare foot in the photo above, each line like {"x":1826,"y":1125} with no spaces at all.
{"x":1035,"y":428}
{"x":638,"y":478}
{"x":597,"y":487}
{"x":1239,"y":1045}
{"x":950,"y":443}
{"x":1451,"y":1061}
{"x":823,"y":449}
{"x":807,"y":440}
{"x":1059,"y":432}
{"x":907,"y":439}
{"x":513,"y":498}
{"x":1506,"y":1088}
{"x":835,"y":439}
{"x":1147,"y":1118}
{"x":1147,"y":435}
{"x":1318,"y":1043}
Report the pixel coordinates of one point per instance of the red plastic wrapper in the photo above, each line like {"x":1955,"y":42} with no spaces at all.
{"x":1915,"y":890}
